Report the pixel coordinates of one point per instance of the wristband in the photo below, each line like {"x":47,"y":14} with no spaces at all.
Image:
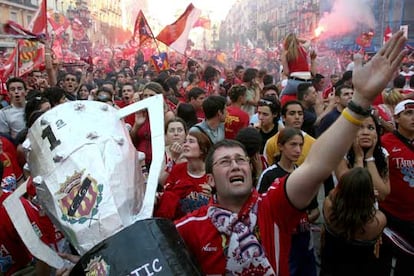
{"x":350,"y":118}
{"x":369,"y":159}
{"x":357,"y":109}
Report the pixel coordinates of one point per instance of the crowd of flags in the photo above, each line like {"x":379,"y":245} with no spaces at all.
{"x":29,"y":51}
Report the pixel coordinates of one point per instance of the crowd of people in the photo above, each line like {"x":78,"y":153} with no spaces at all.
{"x":245,"y":156}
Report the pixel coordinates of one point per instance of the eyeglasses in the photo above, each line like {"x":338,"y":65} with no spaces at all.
{"x":227,"y":161}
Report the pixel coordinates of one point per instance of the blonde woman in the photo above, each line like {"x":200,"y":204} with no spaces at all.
{"x":295,"y":65}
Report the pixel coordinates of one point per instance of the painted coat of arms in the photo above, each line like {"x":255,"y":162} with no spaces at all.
{"x":79,"y":198}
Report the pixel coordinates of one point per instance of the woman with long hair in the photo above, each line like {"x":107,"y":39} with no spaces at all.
{"x":175,"y":131}
{"x":186,"y":187}
{"x":367,"y":152}
{"x":295,"y":65}
{"x":353,"y":226}
{"x":302,"y":259}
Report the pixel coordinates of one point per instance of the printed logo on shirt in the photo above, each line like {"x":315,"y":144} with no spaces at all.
{"x":395,"y":149}
{"x":208,"y":248}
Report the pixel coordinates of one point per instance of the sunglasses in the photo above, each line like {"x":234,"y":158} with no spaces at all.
{"x":103,"y":98}
{"x":265,"y":102}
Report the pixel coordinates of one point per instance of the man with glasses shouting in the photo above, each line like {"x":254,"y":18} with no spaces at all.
{"x":243,"y":233}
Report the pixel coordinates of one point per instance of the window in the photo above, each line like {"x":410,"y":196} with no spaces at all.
{"x":28,"y":19}
{"x":13,"y":16}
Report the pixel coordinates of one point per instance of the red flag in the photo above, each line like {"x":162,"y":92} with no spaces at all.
{"x":176,"y":34}
{"x":387,"y":34}
{"x":142,"y":30}
{"x":39,"y":22}
{"x":58,"y":22}
{"x":203,"y":23}
{"x":364,"y":40}
{"x":30,"y":53}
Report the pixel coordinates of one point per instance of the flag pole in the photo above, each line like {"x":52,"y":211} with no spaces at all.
{"x":16,"y":59}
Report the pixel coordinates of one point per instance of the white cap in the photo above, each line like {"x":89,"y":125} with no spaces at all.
{"x":403,"y":105}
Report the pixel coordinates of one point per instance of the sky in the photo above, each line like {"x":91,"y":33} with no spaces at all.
{"x":167,"y":10}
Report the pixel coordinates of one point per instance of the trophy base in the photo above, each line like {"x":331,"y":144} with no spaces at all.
{"x":147,"y":247}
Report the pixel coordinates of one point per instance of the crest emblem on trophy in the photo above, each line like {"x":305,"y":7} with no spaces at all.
{"x":79,"y":198}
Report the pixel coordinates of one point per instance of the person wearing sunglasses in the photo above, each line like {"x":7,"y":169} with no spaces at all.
{"x":268,"y":111}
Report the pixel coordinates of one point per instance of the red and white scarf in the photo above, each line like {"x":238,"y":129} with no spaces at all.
{"x":245,"y":254}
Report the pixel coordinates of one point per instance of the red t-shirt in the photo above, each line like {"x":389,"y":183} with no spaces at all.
{"x":276,"y":219}
{"x":400,"y":201}
{"x":182,"y":193}
{"x":143,"y":141}
{"x":236,"y":119}
{"x":13,"y":253}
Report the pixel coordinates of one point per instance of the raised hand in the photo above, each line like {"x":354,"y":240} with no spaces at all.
{"x":369,"y":80}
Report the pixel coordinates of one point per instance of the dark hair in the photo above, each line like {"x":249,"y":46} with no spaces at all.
{"x":287,"y":104}
{"x":399,"y":82}
{"x":412,"y":81}
{"x":272,"y":103}
{"x":172,"y":84}
{"x":175,"y":120}
{"x":194,"y":93}
{"x":203,"y":142}
{"x":287,"y":133}
{"x":212,"y":105}
{"x":54,"y":95}
{"x":270,"y":87}
{"x":237,"y":91}
{"x":33,"y":105}
{"x":209,"y":73}
{"x":251,"y":139}
{"x":226,"y":143}
{"x":250,"y":74}
{"x":191,"y":77}
{"x":187,"y":112}
{"x":378,"y":154}
{"x":352,"y":203}
{"x":284,"y":136}
{"x":338,"y":89}
{"x":154,"y":86}
{"x":303,"y":90}
{"x":15,"y":79}
{"x":268,"y":80}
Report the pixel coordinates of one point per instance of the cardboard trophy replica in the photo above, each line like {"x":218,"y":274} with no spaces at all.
{"x":88,"y":180}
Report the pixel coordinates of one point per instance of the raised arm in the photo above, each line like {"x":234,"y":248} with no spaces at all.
{"x":331,"y":146}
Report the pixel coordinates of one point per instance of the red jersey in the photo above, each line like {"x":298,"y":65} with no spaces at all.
{"x":236,"y":119}
{"x":143,"y":141}
{"x":399,"y":202}
{"x":300,"y":64}
{"x":275,"y":221}
{"x":13,"y":253}
{"x":183,"y":193}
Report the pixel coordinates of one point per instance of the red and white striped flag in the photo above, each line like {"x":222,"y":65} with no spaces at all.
{"x":176,"y":34}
